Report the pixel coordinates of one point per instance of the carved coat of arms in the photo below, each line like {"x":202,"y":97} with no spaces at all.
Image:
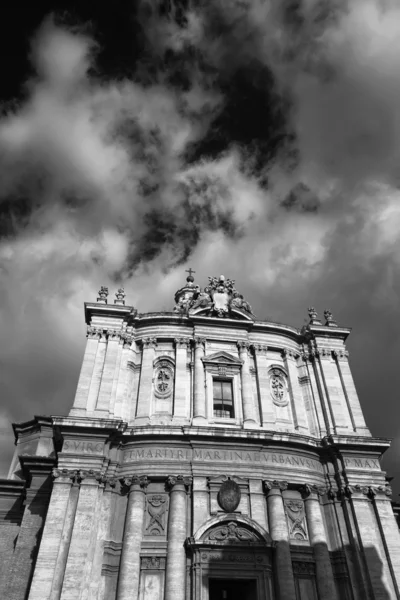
{"x":229,"y":495}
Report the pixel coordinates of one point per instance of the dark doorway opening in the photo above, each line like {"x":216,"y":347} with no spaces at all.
{"x":233,"y":589}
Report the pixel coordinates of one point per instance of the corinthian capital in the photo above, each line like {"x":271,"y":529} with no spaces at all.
{"x":243,"y":346}
{"x":182,"y":342}
{"x":179,"y":480}
{"x":260,"y":348}
{"x":199,"y":342}
{"x":135,"y":482}
{"x":149,"y":342}
{"x":275,"y":485}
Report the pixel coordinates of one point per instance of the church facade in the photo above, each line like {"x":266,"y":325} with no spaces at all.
{"x":208,"y":455}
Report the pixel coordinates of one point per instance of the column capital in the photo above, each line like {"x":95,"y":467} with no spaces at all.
{"x":91,"y":476}
{"x":260,"y":348}
{"x":308,"y":490}
{"x":127,"y":339}
{"x":199,"y":342}
{"x":340,"y":354}
{"x":149,"y":342}
{"x":279,"y":486}
{"x":182,"y":342}
{"x":93,"y":333}
{"x":64,"y":475}
{"x":179,"y":480}
{"x":290,"y":353}
{"x":243,"y":346}
{"x":135,"y":483}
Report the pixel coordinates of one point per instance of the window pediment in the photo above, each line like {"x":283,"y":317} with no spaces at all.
{"x":222,"y":357}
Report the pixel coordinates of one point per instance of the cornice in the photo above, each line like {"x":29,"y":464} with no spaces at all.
{"x":35,"y":424}
{"x":109,"y":310}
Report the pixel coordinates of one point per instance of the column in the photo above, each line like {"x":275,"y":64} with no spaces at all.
{"x":97,"y":372}
{"x":257,"y":503}
{"x":279,"y":533}
{"x":129,"y":572}
{"x":38,"y":469}
{"x":318,"y":540}
{"x":175,"y":577}
{"x":268,"y":416}
{"x":379,"y":570}
{"x":334,"y":392}
{"x":389,"y":531}
{"x":83,"y":537}
{"x":296,"y":397}
{"x":329,"y":426}
{"x":85,"y":377}
{"x":340,"y":358}
{"x":51,"y":561}
{"x":103,"y":404}
{"x":146,"y":381}
{"x":249,"y":419}
{"x":199,"y":411}
{"x":121,"y":392}
{"x":181,"y":400}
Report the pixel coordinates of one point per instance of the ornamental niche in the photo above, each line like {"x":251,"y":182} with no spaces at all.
{"x":219,"y":298}
{"x":163,"y":378}
{"x":278,"y":386}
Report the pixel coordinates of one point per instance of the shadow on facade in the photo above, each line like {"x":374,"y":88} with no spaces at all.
{"x":240,"y":572}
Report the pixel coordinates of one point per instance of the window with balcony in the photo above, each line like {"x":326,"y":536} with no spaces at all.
{"x":223,"y":398}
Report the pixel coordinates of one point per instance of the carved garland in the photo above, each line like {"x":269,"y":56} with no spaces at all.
{"x":278,"y":386}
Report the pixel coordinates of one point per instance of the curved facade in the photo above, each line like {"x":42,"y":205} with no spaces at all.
{"x":207,"y":456}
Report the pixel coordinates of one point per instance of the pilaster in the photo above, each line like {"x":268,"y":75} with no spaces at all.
{"x":79,"y":407}
{"x":146,"y":381}
{"x":296,"y":397}
{"x":268,"y":416}
{"x":249,"y":412}
{"x":199,"y":410}
{"x":350,"y":393}
{"x":181,"y":404}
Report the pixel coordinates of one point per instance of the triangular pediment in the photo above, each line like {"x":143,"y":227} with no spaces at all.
{"x":222,"y":358}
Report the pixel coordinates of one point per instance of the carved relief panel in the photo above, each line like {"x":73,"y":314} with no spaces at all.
{"x":163,"y":384}
{"x":278,"y":386}
{"x":296,"y":519}
{"x":156,"y":514}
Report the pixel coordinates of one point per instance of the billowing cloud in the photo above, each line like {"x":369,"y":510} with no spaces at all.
{"x":251,"y":138}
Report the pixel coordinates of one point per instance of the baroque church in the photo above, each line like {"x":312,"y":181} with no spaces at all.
{"x":207,"y":455}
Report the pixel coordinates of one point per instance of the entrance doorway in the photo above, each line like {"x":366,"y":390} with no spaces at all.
{"x":232,"y":589}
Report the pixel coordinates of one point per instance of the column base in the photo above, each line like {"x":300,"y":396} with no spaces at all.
{"x":199,"y":421}
{"x":250,"y":424}
{"x":142,"y":421}
{"x":180,"y":421}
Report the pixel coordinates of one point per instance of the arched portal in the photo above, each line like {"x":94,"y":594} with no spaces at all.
{"x":231,"y":560}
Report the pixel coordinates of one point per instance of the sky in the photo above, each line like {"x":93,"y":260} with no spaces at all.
{"x":258,"y":139}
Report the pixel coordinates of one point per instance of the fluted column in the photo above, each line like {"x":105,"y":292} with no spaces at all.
{"x":129,"y":573}
{"x":199,"y":409}
{"x":247,"y":390}
{"x":279,"y":533}
{"x":318,"y":540}
{"x":175,"y":577}
{"x":146,"y":381}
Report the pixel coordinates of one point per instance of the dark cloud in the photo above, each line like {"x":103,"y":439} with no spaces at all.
{"x":260,"y":139}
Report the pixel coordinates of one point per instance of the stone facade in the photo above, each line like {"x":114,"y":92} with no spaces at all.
{"x":207,"y":455}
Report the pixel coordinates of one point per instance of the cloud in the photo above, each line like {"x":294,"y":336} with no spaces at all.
{"x":253,"y":139}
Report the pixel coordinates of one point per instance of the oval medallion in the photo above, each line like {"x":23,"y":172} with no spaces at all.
{"x":229,"y":495}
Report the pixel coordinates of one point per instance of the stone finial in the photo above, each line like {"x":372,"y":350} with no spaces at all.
{"x":103,"y":293}
{"x":120,"y":296}
{"x":312,"y":313}
{"x":329,"y":320}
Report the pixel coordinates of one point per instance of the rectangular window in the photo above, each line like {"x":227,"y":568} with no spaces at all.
{"x":223,"y":398}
